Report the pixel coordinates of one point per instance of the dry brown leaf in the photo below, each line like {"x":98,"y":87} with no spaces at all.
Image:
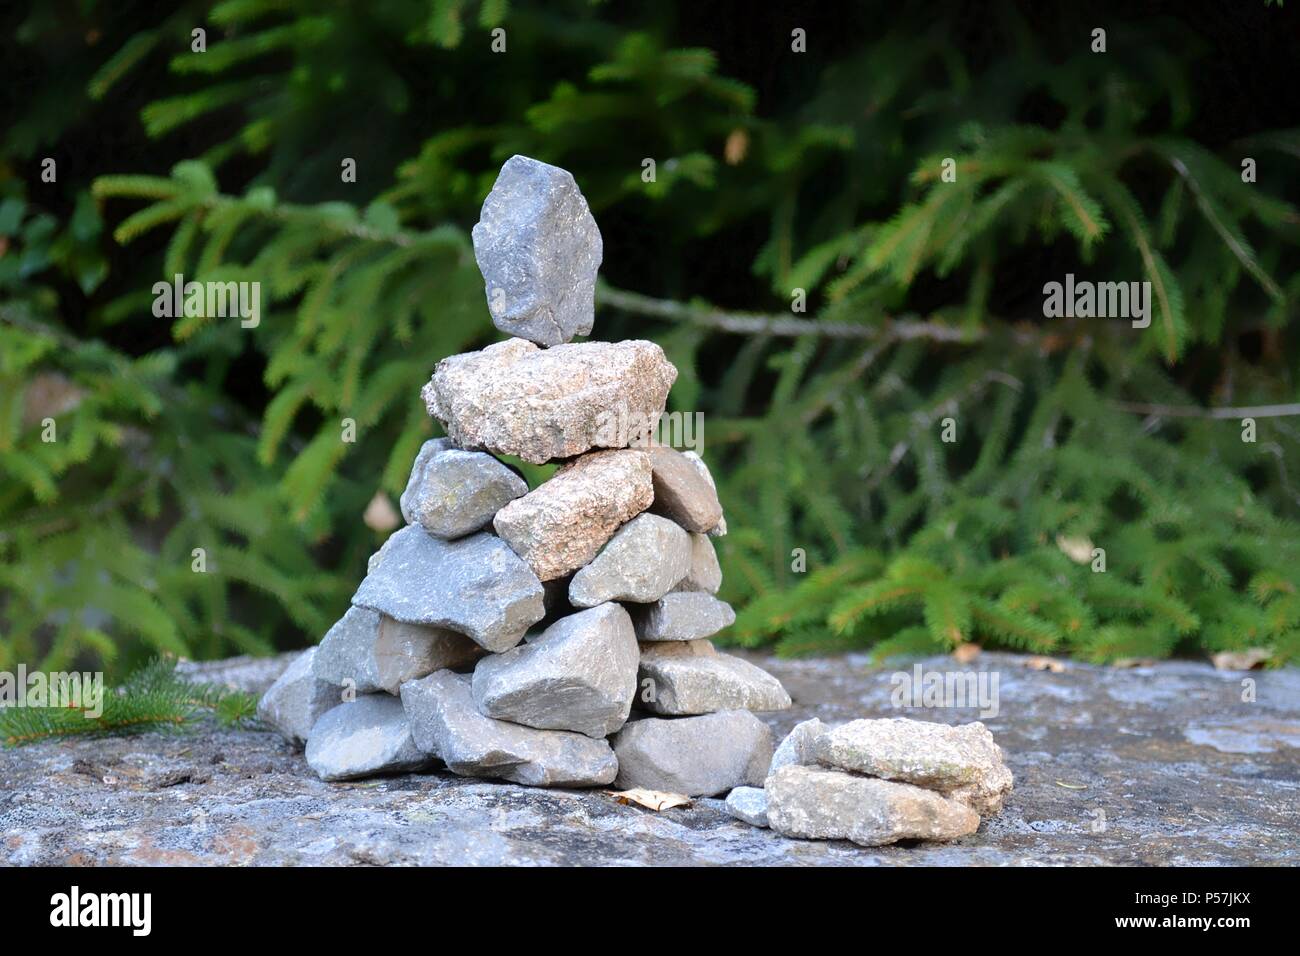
{"x":650,"y":799}
{"x":380,"y":514}
{"x":1078,"y":550}
{"x":736,"y":147}
{"x":965,"y":653}
{"x":1124,"y":663}
{"x":1039,"y":663}
{"x":1246,"y":660}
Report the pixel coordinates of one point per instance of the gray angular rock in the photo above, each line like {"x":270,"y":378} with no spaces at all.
{"x":819,"y":804}
{"x":693,"y":678}
{"x":681,"y":491}
{"x":513,"y":398}
{"x":748,"y":804}
{"x":642,"y":562}
{"x":375,"y":652}
{"x":445,"y":722}
{"x":561,"y":524}
{"x":538,"y":248}
{"x":963,"y":762}
{"x":698,"y":464}
{"x":705,"y":573}
{"x":367,"y":736}
{"x":798,"y":749}
{"x":476,"y":586}
{"x":697,"y":756}
{"x":579,"y":674}
{"x":297,"y":699}
{"x":452,"y":493}
{"x":682,"y":616}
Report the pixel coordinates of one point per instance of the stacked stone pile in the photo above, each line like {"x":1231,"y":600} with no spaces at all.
{"x":878,"y":781}
{"x":557,"y":636}
{"x":560,"y":636}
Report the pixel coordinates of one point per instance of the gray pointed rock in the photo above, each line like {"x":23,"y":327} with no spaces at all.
{"x":693,"y":678}
{"x":367,"y":736}
{"x":452,"y":493}
{"x":682,"y":616}
{"x":513,"y":398}
{"x":705,"y":573}
{"x":446,"y":722}
{"x":962,"y":761}
{"x":561,"y":524}
{"x":748,"y":804}
{"x":476,"y":586}
{"x":369,"y":651}
{"x":644,"y":560}
{"x":297,"y":699}
{"x":799,"y":746}
{"x":820,"y":804}
{"x":538,"y":248}
{"x":697,"y":756}
{"x":579,"y":674}
{"x":720,"y":529}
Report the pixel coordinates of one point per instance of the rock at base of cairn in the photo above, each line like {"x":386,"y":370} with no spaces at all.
{"x":367,"y":736}
{"x":962,"y":762}
{"x":815,"y":803}
{"x":748,"y":804}
{"x":799,"y":746}
{"x":294,"y":703}
{"x":445,"y":722}
{"x":697,"y":756}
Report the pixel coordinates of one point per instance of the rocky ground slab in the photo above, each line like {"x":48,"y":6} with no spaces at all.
{"x":1151,"y":765}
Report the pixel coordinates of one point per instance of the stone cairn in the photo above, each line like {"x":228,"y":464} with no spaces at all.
{"x":559,"y":637}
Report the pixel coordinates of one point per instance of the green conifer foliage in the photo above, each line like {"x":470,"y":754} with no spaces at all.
{"x":952,"y":464}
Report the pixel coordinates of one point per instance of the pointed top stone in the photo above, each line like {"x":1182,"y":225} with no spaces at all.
{"x":538,"y":248}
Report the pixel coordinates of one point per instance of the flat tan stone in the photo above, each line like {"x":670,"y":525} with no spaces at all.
{"x":513,"y":398}
{"x":561,"y":524}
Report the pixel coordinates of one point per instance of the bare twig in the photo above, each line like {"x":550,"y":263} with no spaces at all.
{"x":1195,"y":411}
{"x":759,"y":323}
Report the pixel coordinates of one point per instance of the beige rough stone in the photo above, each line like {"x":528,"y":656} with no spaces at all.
{"x":682,"y":492}
{"x":561,"y":524}
{"x":513,"y":398}
{"x":963,"y":762}
{"x":818,"y":804}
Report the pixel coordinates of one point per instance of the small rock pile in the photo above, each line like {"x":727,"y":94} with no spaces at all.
{"x":559,"y":636}
{"x":878,"y":781}
{"x":554,"y":637}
